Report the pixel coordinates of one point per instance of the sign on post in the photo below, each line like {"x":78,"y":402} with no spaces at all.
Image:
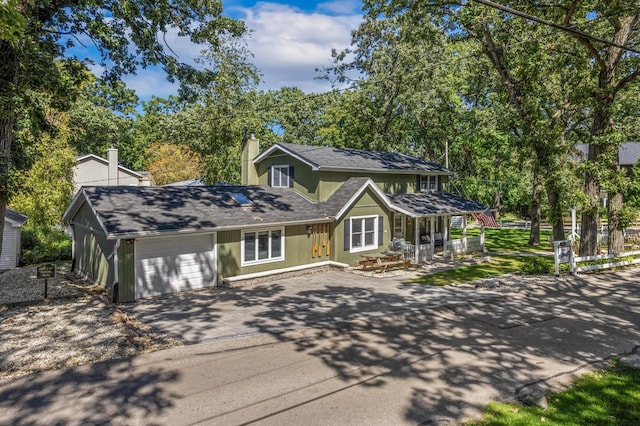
{"x":562,"y":251}
{"x":46,"y":271}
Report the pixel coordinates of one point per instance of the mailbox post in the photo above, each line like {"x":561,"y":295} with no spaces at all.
{"x":46,"y":271}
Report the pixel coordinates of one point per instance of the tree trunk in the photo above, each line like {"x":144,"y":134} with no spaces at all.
{"x":616,"y":234}
{"x":555,"y":211}
{"x":495,"y":205}
{"x":536,"y":210}
{"x":8,"y":87}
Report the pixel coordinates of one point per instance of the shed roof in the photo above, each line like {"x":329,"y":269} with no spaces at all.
{"x":340,"y":159}
{"x":628,"y":153}
{"x":15,"y":216}
{"x":435,"y":203}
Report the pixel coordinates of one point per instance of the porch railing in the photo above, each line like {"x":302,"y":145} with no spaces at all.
{"x":425,"y":252}
{"x":458,"y":246}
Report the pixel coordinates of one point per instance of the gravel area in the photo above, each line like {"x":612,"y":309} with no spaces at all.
{"x":76,"y":325}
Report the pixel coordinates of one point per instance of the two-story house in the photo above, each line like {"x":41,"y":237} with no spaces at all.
{"x":298,"y":207}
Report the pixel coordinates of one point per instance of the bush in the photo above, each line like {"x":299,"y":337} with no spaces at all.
{"x":44,"y":245}
{"x":535,"y":265}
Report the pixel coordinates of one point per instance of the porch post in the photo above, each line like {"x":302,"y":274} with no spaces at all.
{"x":416,"y":227}
{"x":482,"y":237}
{"x":445,"y":236}
{"x":464,"y":232}
{"x":432,"y":236}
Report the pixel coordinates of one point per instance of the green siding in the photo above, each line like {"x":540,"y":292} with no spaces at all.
{"x":126,"y":271}
{"x":297,"y":249}
{"x":388,"y":183}
{"x":367,"y":205}
{"x":92,"y":248}
{"x":305,"y":180}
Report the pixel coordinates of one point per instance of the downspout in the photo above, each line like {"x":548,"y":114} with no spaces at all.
{"x":114,"y":254}
{"x":72,"y":231}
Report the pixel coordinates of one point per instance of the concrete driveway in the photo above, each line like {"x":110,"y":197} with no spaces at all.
{"x":320,"y":298}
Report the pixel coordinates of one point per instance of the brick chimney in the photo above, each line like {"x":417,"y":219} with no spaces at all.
{"x":112,"y":168}
{"x":250,"y":150}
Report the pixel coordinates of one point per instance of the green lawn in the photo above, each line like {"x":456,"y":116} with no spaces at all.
{"x":610,"y":397}
{"x":498,"y":265}
{"x":507,"y":240}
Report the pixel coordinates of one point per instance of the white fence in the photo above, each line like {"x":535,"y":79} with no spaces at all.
{"x":563,"y":253}
{"x":614,"y":261}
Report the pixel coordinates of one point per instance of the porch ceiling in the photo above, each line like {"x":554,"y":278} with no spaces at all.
{"x":435,"y":204}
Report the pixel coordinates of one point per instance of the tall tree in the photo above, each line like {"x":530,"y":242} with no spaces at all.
{"x":127,"y":34}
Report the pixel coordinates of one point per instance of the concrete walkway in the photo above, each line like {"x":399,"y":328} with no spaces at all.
{"x":437,"y":365}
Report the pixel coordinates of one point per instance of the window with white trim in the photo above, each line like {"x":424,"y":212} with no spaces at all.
{"x":428,"y":183}
{"x":364,"y":233}
{"x":262,"y":246}
{"x":280,"y":176}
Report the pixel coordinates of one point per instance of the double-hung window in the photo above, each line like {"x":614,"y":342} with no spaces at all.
{"x":262,"y":246}
{"x":428,"y":183}
{"x":280,"y":176}
{"x":364,"y":233}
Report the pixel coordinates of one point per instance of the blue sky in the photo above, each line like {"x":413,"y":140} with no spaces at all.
{"x":289,"y":40}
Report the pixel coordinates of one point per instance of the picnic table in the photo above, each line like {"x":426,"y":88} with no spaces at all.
{"x":382,"y":262}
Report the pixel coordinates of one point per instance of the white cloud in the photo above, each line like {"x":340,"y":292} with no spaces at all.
{"x":290,"y":44}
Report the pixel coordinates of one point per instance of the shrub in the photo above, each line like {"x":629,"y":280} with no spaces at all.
{"x":44,"y":245}
{"x":535,"y":265}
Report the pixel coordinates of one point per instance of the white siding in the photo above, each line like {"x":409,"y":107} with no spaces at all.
{"x":9,"y":255}
{"x":170,"y":264}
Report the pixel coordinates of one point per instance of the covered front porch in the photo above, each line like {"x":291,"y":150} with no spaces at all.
{"x":422,"y":226}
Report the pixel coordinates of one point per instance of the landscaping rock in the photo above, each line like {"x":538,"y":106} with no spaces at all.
{"x":534,"y":396}
{"x":630,"y":361}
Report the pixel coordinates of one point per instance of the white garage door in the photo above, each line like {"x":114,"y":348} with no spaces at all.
{"x":170,"y":264}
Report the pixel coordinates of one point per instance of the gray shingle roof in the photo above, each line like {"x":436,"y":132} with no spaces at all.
{"x":134,"y":211}
{"x":435,"y":203}
{"x":628,"y":153}
{"x":15,"y":216}
{"x":343,"y":194}
{"x":329,"y":158}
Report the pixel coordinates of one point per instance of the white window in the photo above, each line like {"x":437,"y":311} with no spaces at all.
{"x":428,"y":183}
{"x":364,"y":233}
{"x":280,"y":176}
{"x":262,"y":246}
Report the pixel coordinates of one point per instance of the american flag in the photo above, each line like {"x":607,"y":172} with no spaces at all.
{"x":486,"y":219}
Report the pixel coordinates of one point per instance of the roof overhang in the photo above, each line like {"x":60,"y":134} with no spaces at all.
{"x":192,"y":231}
{"x":84,"y":158}
{"x":381,"y":195}
{"x":277,"y":147}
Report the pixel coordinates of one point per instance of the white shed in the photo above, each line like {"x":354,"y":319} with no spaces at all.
{"x":11,"y":239}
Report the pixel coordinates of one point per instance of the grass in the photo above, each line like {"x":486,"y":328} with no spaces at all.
{"x":499,"y":265}
{"x":496,"y":240}
{"x":609,"y":397}
{"x":508,"y":240}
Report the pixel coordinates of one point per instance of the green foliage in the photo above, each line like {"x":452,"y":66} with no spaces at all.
{"x":609,"y":397}
{"x":43,"y":244}
{"x":537,"y":265}
{"x":172,"y":163}
{"x":44,"y":191}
